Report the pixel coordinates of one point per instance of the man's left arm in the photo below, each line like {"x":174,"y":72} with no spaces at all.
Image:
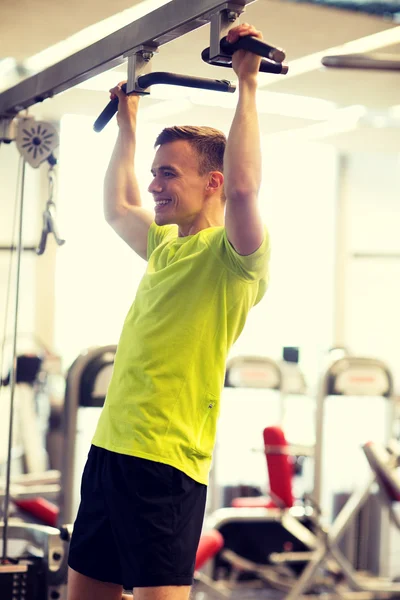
{"x":242,"y":160}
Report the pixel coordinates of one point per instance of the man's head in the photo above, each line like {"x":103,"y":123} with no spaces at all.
{"x":188,"y":175}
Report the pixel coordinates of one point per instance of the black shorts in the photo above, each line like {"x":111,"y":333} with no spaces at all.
{"x":139,"y":522}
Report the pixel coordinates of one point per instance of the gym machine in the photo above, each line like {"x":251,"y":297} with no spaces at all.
{"x":267,"y":390}
{"x":136,"y":43}
{"x":355,"y":403}
{"x":33,"y":557}
{"x":355,"y":576}
{"x":86,"y":388}
{"x":304,"y":538}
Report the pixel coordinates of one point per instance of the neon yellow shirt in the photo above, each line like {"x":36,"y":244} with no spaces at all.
{"x":191,"y":305}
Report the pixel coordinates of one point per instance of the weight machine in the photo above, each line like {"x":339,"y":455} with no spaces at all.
{"x":135,"y":44}
{"x":297,"y":549}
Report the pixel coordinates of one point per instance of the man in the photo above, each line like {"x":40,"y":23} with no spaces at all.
{"x":144,"y":485}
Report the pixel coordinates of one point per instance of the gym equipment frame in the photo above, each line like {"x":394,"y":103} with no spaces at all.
{"x":136,"y":42}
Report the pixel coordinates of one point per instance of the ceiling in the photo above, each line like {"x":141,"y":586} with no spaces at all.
{"x":306,"y":31}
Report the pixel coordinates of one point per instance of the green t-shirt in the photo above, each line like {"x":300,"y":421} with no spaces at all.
{"x":191,"y":305}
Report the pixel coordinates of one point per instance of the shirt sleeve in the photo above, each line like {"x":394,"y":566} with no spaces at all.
{"x":157,"y":235}
{"x":251,"y":267}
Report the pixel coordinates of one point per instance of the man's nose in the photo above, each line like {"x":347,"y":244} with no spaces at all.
{"x":155,"y":186}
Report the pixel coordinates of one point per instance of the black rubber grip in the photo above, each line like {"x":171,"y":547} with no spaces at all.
{"x":107,"y":114}
{"x":266,"y":66}
{"x":145,"y":81}
{"x":252,"y":44}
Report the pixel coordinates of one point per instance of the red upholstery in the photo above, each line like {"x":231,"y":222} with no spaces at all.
{"x":44,"y":510}
{"x":280,"y":466}
{"x":280,"y":472}
{"x":210,"y":543}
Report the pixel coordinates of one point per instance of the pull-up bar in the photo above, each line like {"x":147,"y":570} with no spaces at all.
{"x":145,"y":35}
{"x":270,"y":64}
{"x":376,"y":62}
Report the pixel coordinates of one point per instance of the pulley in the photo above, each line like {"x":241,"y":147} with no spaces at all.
{"x":36,"y":141}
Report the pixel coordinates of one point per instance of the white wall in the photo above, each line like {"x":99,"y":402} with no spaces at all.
{"x":372,"y":248}
{"x":298,"y":200}
{"x":97,"y":275}
{"x":9,"y":170}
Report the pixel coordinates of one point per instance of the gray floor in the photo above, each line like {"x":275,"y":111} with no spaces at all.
{"x":242,"y":594}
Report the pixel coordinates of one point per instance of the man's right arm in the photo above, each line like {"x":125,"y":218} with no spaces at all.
{"x":122,"y":203}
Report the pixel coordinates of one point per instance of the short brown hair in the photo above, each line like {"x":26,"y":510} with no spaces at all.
{"x":208,"y":142}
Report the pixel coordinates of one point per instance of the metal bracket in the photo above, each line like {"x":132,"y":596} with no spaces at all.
{"x":221,"y":22}
{"x":7,"y":130}
{"x":171,"y":21}
{"x":139,"y":64}
{"x":49,"y":540}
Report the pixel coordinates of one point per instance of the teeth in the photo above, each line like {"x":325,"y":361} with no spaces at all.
{"x":160,"y":202}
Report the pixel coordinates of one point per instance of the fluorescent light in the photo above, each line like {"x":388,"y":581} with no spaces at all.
{"x":312,"y":62}
{"x":90,"y":35}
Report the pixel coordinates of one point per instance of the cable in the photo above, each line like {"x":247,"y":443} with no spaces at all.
{"x":8,"y":292}
{"x":13,"y":371}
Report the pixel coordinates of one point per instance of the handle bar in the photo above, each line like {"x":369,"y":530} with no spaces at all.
{"x":254,"y":45}
{"x":145,"y":81}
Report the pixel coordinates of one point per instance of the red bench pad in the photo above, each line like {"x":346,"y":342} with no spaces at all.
{"x":210,"y":543}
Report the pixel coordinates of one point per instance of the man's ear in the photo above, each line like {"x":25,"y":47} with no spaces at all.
{"x":215,"y":181}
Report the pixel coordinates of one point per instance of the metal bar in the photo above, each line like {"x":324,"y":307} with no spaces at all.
{"x":22,"y":492}
{"x":13,"y":378}
{"x":219,"y":27}
{"x":351,"y":510}
{"x":71,"y":406}
{"x":13,"y":248}
{"x":378,"y":62}
{"x":158,"y":27}
{"x":319,"y":431}
{"x":145,"y":81}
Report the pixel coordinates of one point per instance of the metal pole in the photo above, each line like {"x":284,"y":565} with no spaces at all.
{"x":13,"y":366}
{"x":319,"y":431}
{"x":159,"y":27}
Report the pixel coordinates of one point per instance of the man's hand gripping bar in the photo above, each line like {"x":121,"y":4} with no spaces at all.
{"x":272,"y":57}
{"x":271,"y":63}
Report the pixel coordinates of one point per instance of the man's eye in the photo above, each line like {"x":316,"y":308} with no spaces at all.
{"x":168,"y":174}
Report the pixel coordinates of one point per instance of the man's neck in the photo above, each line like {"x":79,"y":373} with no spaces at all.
{"x":202,"y":223}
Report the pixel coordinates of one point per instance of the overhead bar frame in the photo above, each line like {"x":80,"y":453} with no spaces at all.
{"x":159,"y":27}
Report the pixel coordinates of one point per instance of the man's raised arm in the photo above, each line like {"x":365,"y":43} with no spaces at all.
{"x":242,"y":161}
{"x":122,"y":203}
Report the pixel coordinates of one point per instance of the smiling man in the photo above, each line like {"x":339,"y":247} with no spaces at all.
{"x":145,"y":481}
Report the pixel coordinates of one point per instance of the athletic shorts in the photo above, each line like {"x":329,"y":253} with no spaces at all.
{"x":139,"y":522}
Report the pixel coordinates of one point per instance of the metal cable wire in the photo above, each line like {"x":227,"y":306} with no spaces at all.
{"x":9,"y":276}
{"x":13,"y":370}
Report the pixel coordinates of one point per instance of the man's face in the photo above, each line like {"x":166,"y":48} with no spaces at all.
{"x":177,"y":188}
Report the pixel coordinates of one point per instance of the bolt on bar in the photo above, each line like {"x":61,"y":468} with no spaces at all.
{"x":163,"y":25}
